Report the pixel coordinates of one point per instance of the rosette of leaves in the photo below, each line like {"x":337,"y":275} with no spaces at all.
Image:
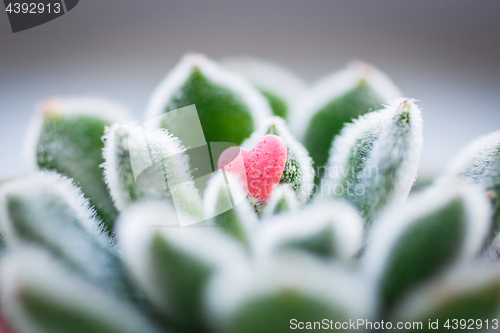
{"x":374,"y":161}
{"x":320,"y":114}
{"x":227,"y":269}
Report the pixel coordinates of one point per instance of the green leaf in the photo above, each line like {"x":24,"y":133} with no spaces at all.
{"x":283,"y":199}
{"x":226,"y":206}
{"x":298,"y":170}
{"x":374,"y":162}
{"x":435,"y":230}
{"x":118,"y":169}
{"x":327,"y":229}
{"x":41,"y":295}
{"x":479,"y":163}
{"x":48,"y":210}
{"x":280,"y":87}
{"x":66,"y":137}
{"x":338,"y":99}
{"x":144,"y":164}
{"x":269,"y":297}
{"x":172,"y":265}
{"x":229,"y":108}
{"x":468,"y":293}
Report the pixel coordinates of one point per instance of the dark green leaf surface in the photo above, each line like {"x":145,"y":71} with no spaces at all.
{"x":45,"y":296}
{"x":37,"y":212}
{"x":54,"y":317}
{"x":321,"y":243}
{"x":273,"y":313}
{"x":72,"y":145}
{"x":223,"y":114}
{"x":425,"y":249}
{"x":327,"y":122}
{"x":464,"y":299}
{"x":182,"y":278}
{"x":482,"y":304}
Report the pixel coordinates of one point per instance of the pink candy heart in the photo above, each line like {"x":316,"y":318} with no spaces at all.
{"x":260,"y":168}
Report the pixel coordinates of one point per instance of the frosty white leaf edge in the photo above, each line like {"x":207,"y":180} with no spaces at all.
{"x":334,"y":86}
{"x":117,"y":177}
{"x":220,"y":197}
{"x":143,"y":221}
{"x":231,"y":288}
{"x":476,"y":161}
{"x":277,"y":126}
{"x":408,"y":169}
{"x":367,"y":127}
{"x":162,"y":148}
{"x":268,"y":77}
{"x":31,"y":272}
{"x":391,"y":225}
{"x":92,"y":106}
{"x":283,"y":199}
{"x":479,"y":163}
{"x":257,"y":104}
{"x":343,"y":219}
{"x":65,"y":189}
{"x":384,"y":135}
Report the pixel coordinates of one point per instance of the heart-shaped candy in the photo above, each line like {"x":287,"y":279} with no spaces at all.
{"x":260,"y":168}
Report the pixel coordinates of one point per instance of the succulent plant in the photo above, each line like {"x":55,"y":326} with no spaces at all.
{"x":171,"y":226}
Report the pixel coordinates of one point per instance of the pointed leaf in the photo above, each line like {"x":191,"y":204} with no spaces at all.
{"x":65,"y":136}
{"x":171,"y":264}
{"x":235,"y":217}
{"x":479,"y":163}
{"x":283,"y":199}
{"x":465,"y":293}
{"x":322,"y":112}
{"x":327,"y":229}
{"x":435,"y":230}
{"x":39,"y":295}
{"x":375,"y":160}
{"x":48,"y":210}
{"x":143,"y":164}
{"x":290,"y":289}
{"x":229,"y":107}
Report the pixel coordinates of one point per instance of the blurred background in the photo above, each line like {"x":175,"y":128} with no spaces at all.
{"x":444,"y":53}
